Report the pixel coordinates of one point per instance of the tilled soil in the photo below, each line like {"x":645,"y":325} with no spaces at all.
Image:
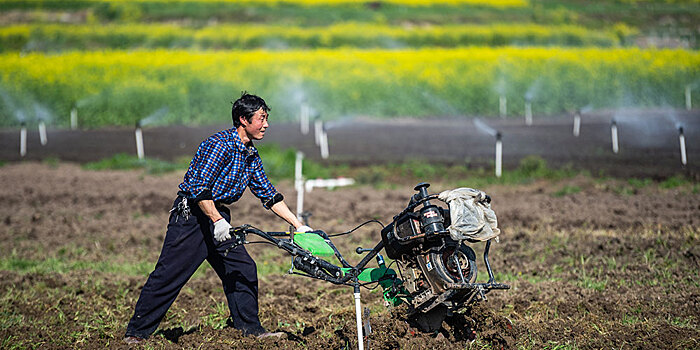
{"x":610,"y":265}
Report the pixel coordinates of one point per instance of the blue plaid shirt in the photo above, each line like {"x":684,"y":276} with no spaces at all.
{"x":222,"y":169}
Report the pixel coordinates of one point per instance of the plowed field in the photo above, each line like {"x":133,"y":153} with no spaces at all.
{"x":592,"y":264}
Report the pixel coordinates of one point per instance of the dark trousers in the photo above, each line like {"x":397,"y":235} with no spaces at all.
{"x":187,"y":243}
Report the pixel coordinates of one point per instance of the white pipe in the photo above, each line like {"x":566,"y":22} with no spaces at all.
{"x":358,"y":316}
{"x":299,"y":183}
{"x":613,"y":131}
{"x":502,"y":106}
{"x":318,"y":129}
{"x":304,"y":118}
{"x":681,"y":139}
{"x":328,"y":183}
{"x":528,"y":113}
{"x":42,"y":133}
{"x":499,"y":155}
{"x":324,"y":144}
{"x":74,"y":118}
{"x":139,"y":143}
{"x":23,"y":141}
{"x":688,"y":99}
{"x":300,"y":201}
{"x":577,"y":124}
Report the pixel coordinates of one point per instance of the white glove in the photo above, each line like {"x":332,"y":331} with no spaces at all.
{"x":304,"y":228}
{"x":221,"y":228}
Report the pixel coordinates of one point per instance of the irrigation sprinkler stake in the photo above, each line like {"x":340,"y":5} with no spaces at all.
{"x":358,"y":315}
{"x":688,"y":98}
{"x":323,"y":142}
{"x":42,"y":133}
{"x":299,"y":183}
{"x":613,"y":131}
{"x":681,"y":139}
{"x":139,"y":141}
{"x":74,"y":118}
{"x":304,"y":118}
{"x":528,"y":113}
{"x":502,"y":106}
{"x":499,"y":154}
{"x":577,"y":123}
{"x":318,"y":129}
{"x":23,"y":140}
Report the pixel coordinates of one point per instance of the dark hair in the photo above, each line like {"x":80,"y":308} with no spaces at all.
{"x":246,"y":106}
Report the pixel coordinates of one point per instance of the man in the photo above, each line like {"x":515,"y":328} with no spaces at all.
{"x":198,"y":229}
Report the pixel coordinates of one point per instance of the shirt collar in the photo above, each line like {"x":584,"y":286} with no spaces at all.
{"x":240,"y":146}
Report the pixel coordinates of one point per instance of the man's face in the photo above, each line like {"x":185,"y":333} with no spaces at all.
{"x":255,"y":129}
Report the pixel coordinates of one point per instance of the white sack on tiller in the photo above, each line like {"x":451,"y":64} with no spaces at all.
{"x":471,"y":217}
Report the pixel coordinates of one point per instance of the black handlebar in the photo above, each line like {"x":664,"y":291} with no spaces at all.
{"x":305,"y":261}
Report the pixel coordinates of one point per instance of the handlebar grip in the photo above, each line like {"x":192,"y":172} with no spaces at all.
{"x":278,"y":234}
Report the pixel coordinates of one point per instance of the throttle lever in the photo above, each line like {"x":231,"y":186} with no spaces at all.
{"x":361,"y":250}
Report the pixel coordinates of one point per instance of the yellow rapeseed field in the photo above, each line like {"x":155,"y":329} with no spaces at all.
{"x":118,"y":86}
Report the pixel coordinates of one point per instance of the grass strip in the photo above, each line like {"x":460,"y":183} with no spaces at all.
{"x":55,"y":37}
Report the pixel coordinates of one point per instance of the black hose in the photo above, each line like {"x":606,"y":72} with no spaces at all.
{"x":357,"y":227}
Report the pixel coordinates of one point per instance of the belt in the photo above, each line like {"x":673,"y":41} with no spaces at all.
{"x":218,"y":204}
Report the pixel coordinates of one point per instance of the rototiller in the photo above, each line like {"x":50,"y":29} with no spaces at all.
{"x":437,"y":268}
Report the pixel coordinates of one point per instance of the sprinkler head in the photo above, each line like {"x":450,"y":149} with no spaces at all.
{"x":680,"y":129}
{"x":138,"y":124}
{"x":23,"y":124}
{"x":613,"y":122}
{"x":498,"y":136}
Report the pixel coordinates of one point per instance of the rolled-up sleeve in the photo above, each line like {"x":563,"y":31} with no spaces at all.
{"x":204,"y":169}
{"x":262,"y":188}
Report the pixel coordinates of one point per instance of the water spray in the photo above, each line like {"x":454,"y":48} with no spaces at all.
{"x":499,"y":154}
{"x":688,"y":98}
{"x":681,"y":139}
{"x":577,"y":123}
{"x":528,"y":112}
{"x":502,"y":106}
{"x":531,"y":93}
{"x":613,"y":132}
{"x":74,"y":118}
{"x":155,"y":117}
{"x":23,"y":140}
{"x":42,"y":132}
{"x":139,"y":140}
{"x":304,"y":118}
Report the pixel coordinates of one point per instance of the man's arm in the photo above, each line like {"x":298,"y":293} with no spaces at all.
{"x":209,"y":209}
{"x":221,"y":227}
{"x":282,"y":210}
